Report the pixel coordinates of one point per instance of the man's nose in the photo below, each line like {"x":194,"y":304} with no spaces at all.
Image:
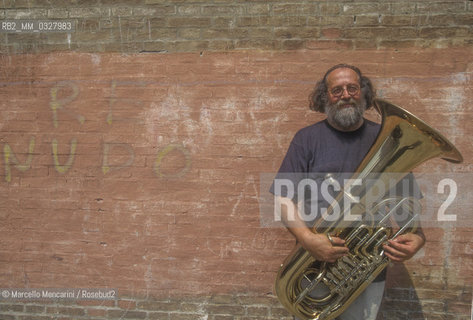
{"x":345,"y":94}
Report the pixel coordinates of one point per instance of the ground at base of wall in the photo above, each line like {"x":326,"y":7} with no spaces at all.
{"x":216,"y":307}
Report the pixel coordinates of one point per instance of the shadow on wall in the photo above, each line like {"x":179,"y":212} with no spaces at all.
{"x":400,"y":300}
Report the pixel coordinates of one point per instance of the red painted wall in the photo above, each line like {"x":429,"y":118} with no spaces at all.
{"x":142,"y":172}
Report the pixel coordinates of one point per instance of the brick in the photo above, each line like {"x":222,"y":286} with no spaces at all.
{"x":58,"y":13}
{"x":331,"y":33}
{"x":9,"y":4}
{"x":162,"y":10}
{"x":190,"y":46}
{"x":436,"y":32}
{"x":159,"y":306}
{"x":187,"y":22}
{"x":220,"y":317}
{"x":368,"y":20}
{"x":252,"y":21}
{"x":88,"y":25}
{"x":125,"y":314}
{"x":334,"y":21}
{"x":459,"y":308}
{"x":223,"y":22}
{"x":181,"y":316}
{"x":257,"y":33}
{"x":12,"y":307}
{"x":294,"y":9}
{"x":225,"y":310}
{"x":292,"y":44}
{"x":189,"y":10}
{"x":122,"y":11}
{"x":400,"y":20}
{"x":287,"y":21}
{"x":66,"y":311}
{"x":450,"y":7}
{"x":158,"y":315}
{"x":33,"y":309}
{"x":257,"y":9}
{"x":297,"y":33}
{"x":212,"y":34}
{"x":26,"y":14}
{"x":221,"y":45}
{"x":96,"y":303}
{"x":361,"y":33}
{"x":86,"y":12}
{"x":279,"y":313}
{"x":258,"y":311}
{"x":127,"y":23}
{"x":329,"y":9}
{"x":403,"y":7}
{"x":324,"y":44}
{"x":365,"y":8}
{"x":222,"y":10}
{"x":189,"y":33}
{"x":96,"y":313}
{"x":261,"y":44}
{"x":161,"y":34}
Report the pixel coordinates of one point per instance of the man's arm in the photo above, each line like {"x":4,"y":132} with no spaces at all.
{"x":317,"y":244}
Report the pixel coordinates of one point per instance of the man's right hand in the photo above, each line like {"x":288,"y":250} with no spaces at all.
{"x":320,"y":247}
{"x":317,"y":244}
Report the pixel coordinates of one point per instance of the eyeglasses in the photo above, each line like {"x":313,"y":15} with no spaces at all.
{"x":352,"y":90}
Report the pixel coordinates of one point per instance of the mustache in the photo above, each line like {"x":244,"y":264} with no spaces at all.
{"x":351,"y":102}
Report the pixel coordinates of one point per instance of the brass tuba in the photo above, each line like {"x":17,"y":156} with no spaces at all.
{"x":404,"y":141}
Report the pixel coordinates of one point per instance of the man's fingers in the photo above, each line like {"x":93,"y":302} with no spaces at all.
{"x":336,"y":241}
{"x":392,"y":251}
{"x":397,"y":252}
{"x":398,"y":246}
{"x":393,"y":258}
{"x":337,"y":252}
{"x":340,"y":250}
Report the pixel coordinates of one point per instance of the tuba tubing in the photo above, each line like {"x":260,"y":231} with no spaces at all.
{"x":403,"y":143}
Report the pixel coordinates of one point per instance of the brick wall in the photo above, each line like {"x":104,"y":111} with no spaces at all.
{"x":139,"y":171}
{"x":200,"y":25}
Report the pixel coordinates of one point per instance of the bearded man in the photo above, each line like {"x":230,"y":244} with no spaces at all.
{"x":337,"y":145}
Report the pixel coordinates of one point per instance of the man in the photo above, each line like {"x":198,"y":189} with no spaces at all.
{"x":337,"y":145}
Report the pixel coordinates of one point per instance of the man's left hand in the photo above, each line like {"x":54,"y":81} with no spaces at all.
{"x":403,"y":247}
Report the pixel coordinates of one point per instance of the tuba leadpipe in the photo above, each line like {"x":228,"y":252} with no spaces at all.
{"x":403,"y":143}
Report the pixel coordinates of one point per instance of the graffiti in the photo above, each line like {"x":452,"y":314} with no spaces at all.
{"x":106,"y":167}
{"x":163,"y":153}
{"x":57,"y":104}
{"x":63,"y":168}
{"x":9,"y":156}
{"x":62,"y":94}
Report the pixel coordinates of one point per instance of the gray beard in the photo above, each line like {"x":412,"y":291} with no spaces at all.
{"x":345,"y":118}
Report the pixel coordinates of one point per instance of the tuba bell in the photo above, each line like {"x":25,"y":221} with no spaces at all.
{"x":404,"y":142}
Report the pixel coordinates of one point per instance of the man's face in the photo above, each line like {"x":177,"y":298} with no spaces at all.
{"x":346,"y":106}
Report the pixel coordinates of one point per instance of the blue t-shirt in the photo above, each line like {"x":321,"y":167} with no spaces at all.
{"x":323,"y":149}
{"x":318,"y":150}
